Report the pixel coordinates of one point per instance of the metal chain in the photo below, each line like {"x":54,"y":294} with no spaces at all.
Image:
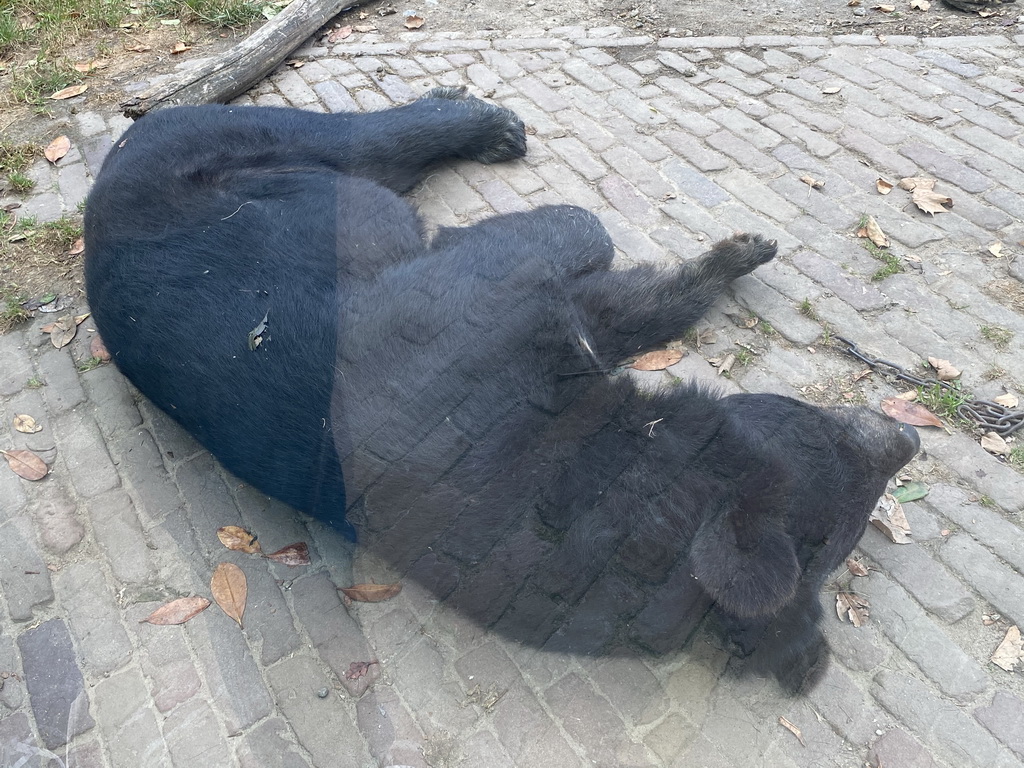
{"x":992,"y":416}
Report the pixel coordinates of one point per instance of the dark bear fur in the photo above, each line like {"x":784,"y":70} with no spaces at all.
{"x":451,"y":399}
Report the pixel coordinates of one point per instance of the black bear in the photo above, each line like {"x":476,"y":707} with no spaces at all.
{"x":255,"y":273}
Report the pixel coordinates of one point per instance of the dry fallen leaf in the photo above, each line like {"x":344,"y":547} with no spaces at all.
{"x":884,"y":8}
{"x":68,"y":93}
{"x":77,"y":247}
{"x":726,"y":364}
{"x":888,"y":517}
{"x":63,"y":331}
{"x":293,"y":555}
{"x":414,"y":22}
{"x":57,"y":148}
{"x":177,"y":611}
{"x":852,"y":608}
{"x":930,"y":201}
{"x":944,"y":369}
{"x":658,"y":360}
{"x":910,"y":183}
{"x":25,"y":423}
{"x":996,"y":249}
{"x":339,"y":34}
{"x":994,"y":443}
{"x":1009,"y":652}
{"x":920,"y":5}
{"x":812,"y":182}
{"x":792,"y":729}
{"x":832,"y":89}
{"x":238,"y":539}
{"x":884,"y":187}
{"x":180,"y":47}
{"x":138,"y":48}
{"x":229,"y":589}
{"x":365,"y":28}
{"x":26,"y":464}
{"x":856,"y":567}
{"x":910,"y":394}
{"x":907,"y":412}
{"x":873,"y":232}
{"x":372,"y":593}
{"x":1009,"y":400}
{"x":88,"y":66}
{"x":359,"y":669}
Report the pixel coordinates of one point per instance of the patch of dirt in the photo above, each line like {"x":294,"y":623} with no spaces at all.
{"x":705,"y":17}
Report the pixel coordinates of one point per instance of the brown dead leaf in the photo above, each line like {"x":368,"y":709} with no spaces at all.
{"x":372,"y":593}
{"x":1009,"y":400}
{"x":862,"y":374}
{"x":293,"y":555}
{"x":77,"y":247}
{"x":852,"y":608}
{"x":177,"y":611}
{"x":884,"y":8}
{"x":69,"y":93}
{"x":229,"y":588}
{"x":414,"y":22}
{"x":340,"y":33}
{"x":874,"y":233}
{"x":98,"y":349}
{"x":1009,"y":652}
{"x":888,"y":517}
{"x":907,"y":412}
{"x":359,"y":669}
{"x":996,"y":249}
{"x":856,"y":567}
{"x":180,"y":47}
{"x":909,"y":395}
{"x":63,"y":331}
{"x":138,"y":48}
{"x":792,"y":729}
{"x":365,"y":28}
{"x":726,"y":363}
{"x":853,"y":3}
{"x":944,"y":370}
{"x":884,"y":187}
{"x":910,"y":183}
{"x":79,"y":319}
{"x":57,"y":148}
{"x":658,"y":360}
{"x":812,"y":182}
{"x":238,"y":539}
{"x":931,"y":201}
{"x":88,"y":66}
{"x":920,"y":5}
{"x":994,"y":443}
{"x":26,"y":464}
{"x":25,"y":423}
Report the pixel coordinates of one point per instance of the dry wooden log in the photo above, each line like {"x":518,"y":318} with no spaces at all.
{"x":241,"y":67}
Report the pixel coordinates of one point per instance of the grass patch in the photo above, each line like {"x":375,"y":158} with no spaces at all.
{"x":35,"y":383}
{"x":34,"y":82}
{"x":11,"y":313}
{"x":1016,"y":458}
{"x":15,"y":158}
{"x":807,"y":310}
{"x":19,"y":182}
{"x":891,"y":264}
{"x":1000,"y":338}
{"x":217,"y":13}
{"x":943,"y":401}
{"x":88,"y":365}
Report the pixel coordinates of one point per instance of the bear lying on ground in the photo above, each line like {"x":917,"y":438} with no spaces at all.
{"x":255,"y":273}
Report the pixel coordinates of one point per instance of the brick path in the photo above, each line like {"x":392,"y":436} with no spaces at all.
{"x":673,"y":143}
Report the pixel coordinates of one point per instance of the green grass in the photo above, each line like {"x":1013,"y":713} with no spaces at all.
{"x":19,"y":182}
{"x":1000,"y":338}
{"x":943,"y":401}
{"x":891,"y":264}
{"x":807,"y":310}
{"x":87,"y":365}
{"x":1016,"y":458}
{"x":217,"y":13}
{"x":11,"y":312}
{"x":34,"y":82}
{"x":15,"y":158}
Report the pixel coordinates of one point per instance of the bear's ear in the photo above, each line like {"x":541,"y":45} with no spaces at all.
{"x":745,"y":559}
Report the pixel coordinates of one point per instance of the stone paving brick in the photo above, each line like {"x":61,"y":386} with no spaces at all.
{"x":856,"y":292}
{"x":165,"y":660}
{"x":685,"y":145}
{"x":972,"y":463}
{"x":1003,"y":718}
{"x":998,"y":584}
{"x":325,"y":727}
{"x":84,"y":454}
{"x":906,"y":625}
{"x":59,"y":526}
{"x":624,"y":198}
{"x":231,"y":673}
{"x":747,"y":189}
{"x":64,"y":390}
{"x":56,"y":688}
{"x":23,"y":573}
{"x":743,"y":152}
{"x":988,"y":526}
{"x":103,"y":645}
{"x":391,"y":734}
{"x":269,"y":745}
{"x":929,"y":583}
{"x":897,"y":747}
{"x":939,"y":723}
{"x":946,"y":167}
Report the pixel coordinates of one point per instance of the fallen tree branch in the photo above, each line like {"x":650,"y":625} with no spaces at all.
{"x":244,"y":65}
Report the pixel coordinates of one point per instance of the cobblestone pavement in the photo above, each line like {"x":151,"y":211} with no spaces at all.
{"x":673,"y":143}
